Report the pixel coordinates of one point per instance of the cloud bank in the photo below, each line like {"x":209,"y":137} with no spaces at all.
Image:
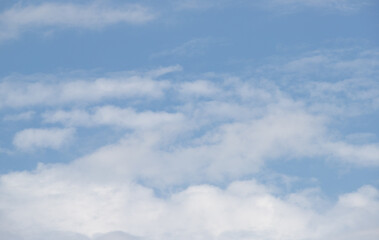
{"x":243,"y":210}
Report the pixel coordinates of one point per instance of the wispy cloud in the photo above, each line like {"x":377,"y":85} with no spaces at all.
{"x":115,"y":116}
{"x":21,"y":18}
{"x":335,"y":82}
{"x":16,"y":93}
{"x":190,"y":48}
{"x":31,"y":139}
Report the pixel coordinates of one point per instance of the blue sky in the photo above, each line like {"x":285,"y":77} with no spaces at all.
{"x":189,"y":119}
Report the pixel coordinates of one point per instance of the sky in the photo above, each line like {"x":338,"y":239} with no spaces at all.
{"x":189,"y":119}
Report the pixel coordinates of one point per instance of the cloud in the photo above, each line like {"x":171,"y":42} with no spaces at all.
{"x":188,"y":146}
{"x":170,"y":154}
{"x":194,"y":47}
{"x":114,"y":116}
{"x":212,"y":132}
{"x":21,"y":18}
{"x":191,"y":129}
{"x":99,"y":14}
{"x":66,"y":199}
{"x":31,"y":139}
{"x":334,"y":82}
{"x":18,"y":93}
{"x":364,"y":154}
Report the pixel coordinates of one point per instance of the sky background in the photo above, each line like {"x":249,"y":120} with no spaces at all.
{"x":188,"y":119}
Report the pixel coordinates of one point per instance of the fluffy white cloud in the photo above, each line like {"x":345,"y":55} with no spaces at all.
{"x":64,"y":199}
{"x":95,"y":15}
{"x":30,"y":139}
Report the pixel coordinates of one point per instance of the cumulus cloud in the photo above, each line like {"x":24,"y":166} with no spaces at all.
{"x":242,"y":210}
{"x":95,"y":15}
{"x":30,"y":139}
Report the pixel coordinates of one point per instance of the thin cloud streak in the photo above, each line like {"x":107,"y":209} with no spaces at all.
{"x":21,"y":18}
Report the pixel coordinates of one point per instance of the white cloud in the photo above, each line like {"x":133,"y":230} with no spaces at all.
{"x":132,"y":85}
{"x":95,"y":15}
{"x":115,"y":116}
{"x":70,"y":200}
{"x":165,"y":156}
{"x":364,"y":155}
{"x":205,"y":124}
{"x":30,"y":139}
{"x":237,"y":128}
{"x":199,"y":88}
{"x":163,"y":70}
